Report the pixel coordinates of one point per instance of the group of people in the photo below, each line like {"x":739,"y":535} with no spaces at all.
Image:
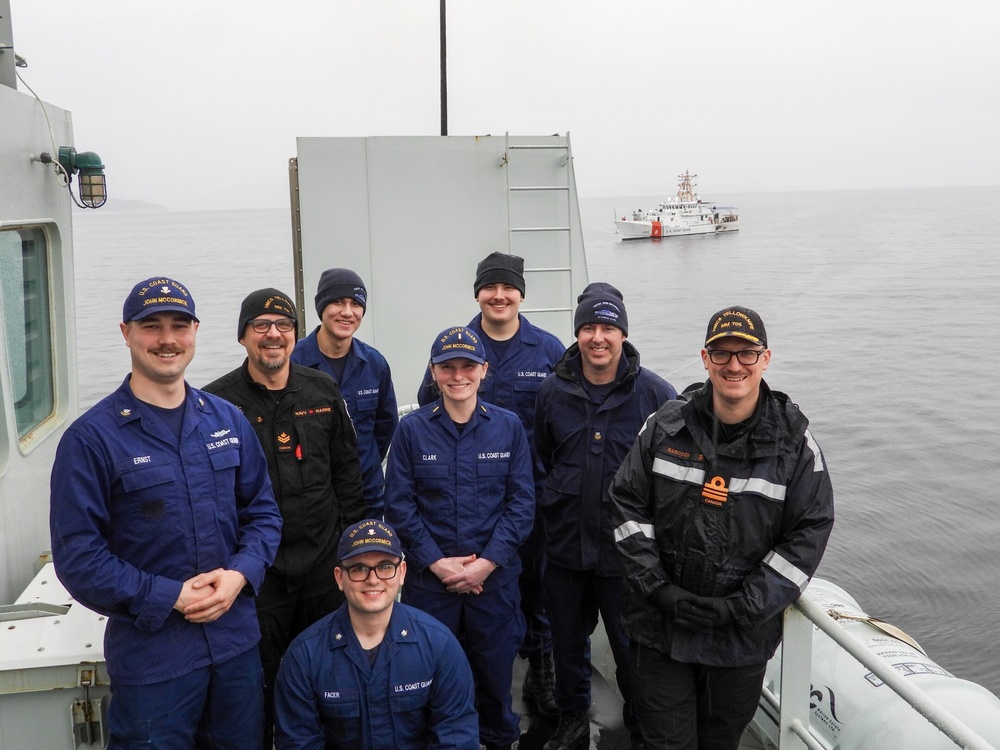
{"x":251,"y":556}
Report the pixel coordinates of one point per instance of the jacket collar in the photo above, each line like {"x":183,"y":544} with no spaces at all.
{"x":127,"y":408}
{"x":292,"y":385}
{"x":312,"y":356}
{"x":778,"y":421}
{"x":570,"y":366}
{"x":482,"y":411}
{"x":526,"y":333}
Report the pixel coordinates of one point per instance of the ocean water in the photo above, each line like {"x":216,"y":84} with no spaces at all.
{"x":881,"y":308}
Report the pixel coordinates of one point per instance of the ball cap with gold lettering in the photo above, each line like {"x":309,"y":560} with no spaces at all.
{"x":370,"y":535}
{"x":158,"y":294}
{"x":736,"y":321}
{"x":453,"y":343}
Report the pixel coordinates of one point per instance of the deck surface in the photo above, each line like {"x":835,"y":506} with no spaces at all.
{"x":607,"y":730}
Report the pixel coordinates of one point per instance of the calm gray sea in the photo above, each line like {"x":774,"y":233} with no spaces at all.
{"x":882,"y":312}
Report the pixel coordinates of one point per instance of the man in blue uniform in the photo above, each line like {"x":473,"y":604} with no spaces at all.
{"x":520,"y":357}
{"x":376,"y":673}
{"x":162,"y":518}
{"x":723,"y":509}
{"x":299,"y":417}
{"x":588,"y":415}
{"x":359,"y":369}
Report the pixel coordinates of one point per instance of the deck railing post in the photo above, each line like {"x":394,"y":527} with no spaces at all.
{"x":796,"y":661}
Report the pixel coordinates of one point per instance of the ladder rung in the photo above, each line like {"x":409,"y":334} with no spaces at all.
{"x":547,"y":309}
{"x":541,"y":187}
{"x":553,"y":147}
{"x":539,"y":229}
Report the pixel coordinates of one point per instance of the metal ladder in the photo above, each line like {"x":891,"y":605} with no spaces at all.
{"x":564,"y":264}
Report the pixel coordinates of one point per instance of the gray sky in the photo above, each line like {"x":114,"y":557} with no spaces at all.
{"x":196,"y":105}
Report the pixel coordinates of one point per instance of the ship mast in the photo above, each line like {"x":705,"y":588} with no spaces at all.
{"x":685,"y":188}
{"x":444,"y":70}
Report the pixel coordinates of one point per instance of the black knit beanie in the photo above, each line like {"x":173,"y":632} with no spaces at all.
{"x":261,"y":302}
{"x":500,"y":268}
{"x":340,"y":283}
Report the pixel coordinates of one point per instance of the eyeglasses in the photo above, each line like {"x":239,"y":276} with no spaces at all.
{"x":383,"y":571}
{"x":744,"y":356}
{"x":284,"y":325}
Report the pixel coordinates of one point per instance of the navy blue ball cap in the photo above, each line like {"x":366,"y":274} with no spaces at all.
{"x":155,"y":295}
{"x":453,"y":343}
{"x":370,"y":535}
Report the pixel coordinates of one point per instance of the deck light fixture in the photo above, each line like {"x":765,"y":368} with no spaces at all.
{"x":93,"y":187}
{"x":87,"y":164}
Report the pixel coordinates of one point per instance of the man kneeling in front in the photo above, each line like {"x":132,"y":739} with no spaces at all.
{"x":375,"y":673}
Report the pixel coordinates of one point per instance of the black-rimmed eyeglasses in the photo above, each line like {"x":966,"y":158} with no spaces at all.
{"x":383,"y":571}
{"x":744,"y":356}
{"x":261,"y":325}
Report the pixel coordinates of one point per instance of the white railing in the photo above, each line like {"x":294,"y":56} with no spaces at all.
{"x":797,"y":643}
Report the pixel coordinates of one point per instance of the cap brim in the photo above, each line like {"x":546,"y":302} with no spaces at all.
{"x":457,"y":355}
{"x":162,"y":308}
{"x":736,"y":334}
{"x":371,"y":548}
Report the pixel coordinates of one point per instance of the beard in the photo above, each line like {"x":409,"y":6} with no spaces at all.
{"x":271,"y":364}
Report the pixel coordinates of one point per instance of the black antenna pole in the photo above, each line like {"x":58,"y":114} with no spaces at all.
{"x":444,"y":72}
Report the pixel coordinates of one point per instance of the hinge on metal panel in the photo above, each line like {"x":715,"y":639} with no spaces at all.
{"x":90,"y":723}
{"x":89,"y":716}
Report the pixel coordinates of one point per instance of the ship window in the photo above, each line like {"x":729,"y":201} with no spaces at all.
{"x":24,"y":295}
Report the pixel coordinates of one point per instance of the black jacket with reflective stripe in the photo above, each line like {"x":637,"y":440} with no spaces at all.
{"x":747,"y":520}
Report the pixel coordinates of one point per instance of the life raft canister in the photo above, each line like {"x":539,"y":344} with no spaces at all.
{"x":851,"y":709}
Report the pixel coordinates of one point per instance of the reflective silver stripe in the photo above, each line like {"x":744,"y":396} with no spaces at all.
{"x":819,"y":464}
{"x":782,"y":567}
{"x":646,"y":423}
{"x":759,"y":487}
{"x":629,"y":528}
{"x":671,"y":470}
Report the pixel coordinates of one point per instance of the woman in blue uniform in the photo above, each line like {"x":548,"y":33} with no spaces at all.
{"x":459,"y":490}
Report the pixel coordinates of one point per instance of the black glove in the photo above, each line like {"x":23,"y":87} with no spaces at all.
{"x":669,"y":597}
{"x":704,"y":612}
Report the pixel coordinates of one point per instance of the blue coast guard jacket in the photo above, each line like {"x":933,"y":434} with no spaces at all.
{"x":582,"y":444}
{"x":418,"y":695}
{"x":370,"y":399}
{"x":134,"y":514}
{"x":512,"y":381}
{"x":746,"y":520}
{"x":451,"y":494}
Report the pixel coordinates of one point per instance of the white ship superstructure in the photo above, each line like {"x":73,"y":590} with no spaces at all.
{"x":684,"y":214}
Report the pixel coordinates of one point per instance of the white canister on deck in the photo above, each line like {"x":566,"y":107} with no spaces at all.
{"x":851,"y":709}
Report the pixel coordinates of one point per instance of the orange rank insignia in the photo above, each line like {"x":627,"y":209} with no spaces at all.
{"x":715,"y":491}
{"x":284,"y":438}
